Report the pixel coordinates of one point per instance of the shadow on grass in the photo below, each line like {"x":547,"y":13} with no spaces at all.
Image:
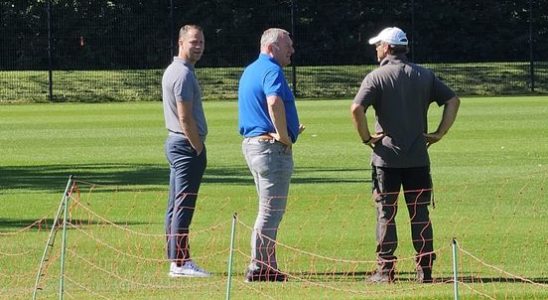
{"x":47,"y":223}
{"x":410,"y":277}
{"x":53,"y":178}
{"x":480,"y":279}
{"x":331,"y":175}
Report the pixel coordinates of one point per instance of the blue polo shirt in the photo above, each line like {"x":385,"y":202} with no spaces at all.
{"x":263,"y":78}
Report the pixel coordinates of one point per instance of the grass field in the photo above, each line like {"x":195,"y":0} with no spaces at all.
{"x":490,"y":175}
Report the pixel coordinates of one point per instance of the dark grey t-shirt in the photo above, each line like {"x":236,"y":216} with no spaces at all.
{"x":401,"y":92}
{"x":179,"y":83}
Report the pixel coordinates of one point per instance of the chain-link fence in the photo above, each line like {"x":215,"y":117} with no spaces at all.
{"x":73,"y":50}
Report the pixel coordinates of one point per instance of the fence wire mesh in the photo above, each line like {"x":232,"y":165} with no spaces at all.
{"x":116,"y":50}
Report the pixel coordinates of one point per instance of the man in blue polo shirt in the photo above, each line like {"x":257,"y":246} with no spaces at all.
{"x":269,"y":122}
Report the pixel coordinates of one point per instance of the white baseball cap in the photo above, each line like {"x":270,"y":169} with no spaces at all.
{"x":390,"y":35}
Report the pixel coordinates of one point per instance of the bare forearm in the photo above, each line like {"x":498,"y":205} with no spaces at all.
{"x":190,"y":130}
{"x":450,"y":110}
{"x":360,"y":121}
{"x":276,"y":111}
{"x":189,"y":126}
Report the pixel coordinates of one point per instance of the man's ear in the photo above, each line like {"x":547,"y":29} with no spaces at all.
{"x":271,"y":47}
{"x":386,"y":48}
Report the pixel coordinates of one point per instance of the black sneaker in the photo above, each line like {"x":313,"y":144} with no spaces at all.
{"x":265,"y":275}
{"x":383,"y":276}
{"x":424,"y":275}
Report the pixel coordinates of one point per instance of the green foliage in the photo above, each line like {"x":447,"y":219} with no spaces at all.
{"x":128,"y":34}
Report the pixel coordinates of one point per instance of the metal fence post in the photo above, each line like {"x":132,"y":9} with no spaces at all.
{"x":171,"y":30}
{"x":50,"y":60}
{"x":455,"y":272}
{"x":64,"y":244}
{"x":231,"y":256}
{"x":531,"y":48}
{"x":51,"y":238}
{"x":412,"y":30}
{"x":293,"y":64}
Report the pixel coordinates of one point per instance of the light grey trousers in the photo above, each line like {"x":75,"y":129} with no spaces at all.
{"x":271,"y":164}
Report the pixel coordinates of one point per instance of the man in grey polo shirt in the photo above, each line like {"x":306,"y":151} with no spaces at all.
{"x":401,"y":92}
{"x":185,"y":148}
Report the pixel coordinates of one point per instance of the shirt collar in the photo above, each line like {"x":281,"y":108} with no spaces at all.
{"x":184,"y":62}
{"x":394,"y":59}
{"x":264,"y":56}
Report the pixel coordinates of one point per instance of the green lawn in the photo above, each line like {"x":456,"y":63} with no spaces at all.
{"x":317,"y":82}
{"x":490,"y":175}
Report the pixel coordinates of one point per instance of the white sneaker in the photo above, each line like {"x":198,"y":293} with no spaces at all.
{"x":188,"y":269}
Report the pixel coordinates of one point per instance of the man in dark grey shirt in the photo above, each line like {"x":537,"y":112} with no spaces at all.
{"x":185,"y":148}
{"x":401,"y":92}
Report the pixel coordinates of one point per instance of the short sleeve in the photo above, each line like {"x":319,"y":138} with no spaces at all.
{"x":441,"y":93}
{"x":184,"y":87}
{"x":273,"y":83}
{"x":367,"y":93}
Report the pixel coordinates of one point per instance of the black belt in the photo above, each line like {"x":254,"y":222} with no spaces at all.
{"x":176,"y":132}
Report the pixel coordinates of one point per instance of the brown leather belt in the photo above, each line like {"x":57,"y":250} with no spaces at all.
{"x":264,"y":138}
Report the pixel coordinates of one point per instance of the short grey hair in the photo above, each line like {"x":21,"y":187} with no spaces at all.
{"x":271,"y":36}
{"x":186,"y":28}
{"x":398,"y":49}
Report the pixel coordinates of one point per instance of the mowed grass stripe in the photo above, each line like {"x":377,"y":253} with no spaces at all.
{"x":490,"y":173}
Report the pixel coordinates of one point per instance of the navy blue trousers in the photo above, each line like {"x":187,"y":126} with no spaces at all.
{"x":186,"y":171}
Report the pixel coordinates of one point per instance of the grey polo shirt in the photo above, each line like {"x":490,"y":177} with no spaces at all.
{"x":401,"y":92}
{"x":179,"y":83}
